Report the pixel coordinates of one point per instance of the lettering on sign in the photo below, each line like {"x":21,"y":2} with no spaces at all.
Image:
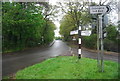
{"x":99,"y":9}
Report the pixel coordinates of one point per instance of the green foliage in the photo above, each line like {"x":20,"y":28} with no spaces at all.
{"x":70,"y":22}
{"x":111,"y":32}
{"x":48,"y":33}
{"x":58,"y":38}
{"x":67,"y":67}
{"x":90,"y":41}
{"x":24,"y":26}
{"x":111,"y":42}
{"x":85,"y":18}
{"x":110,"y":45}
{"x":67,"y":24}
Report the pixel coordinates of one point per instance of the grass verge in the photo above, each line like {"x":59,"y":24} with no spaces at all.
{"x":68,"y":67}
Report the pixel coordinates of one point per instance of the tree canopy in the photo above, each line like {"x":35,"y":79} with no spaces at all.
{"x":24,"y":26}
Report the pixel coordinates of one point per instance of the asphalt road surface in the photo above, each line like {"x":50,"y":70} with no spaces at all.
{"x":88,"y":54}
{"x":19,"y":60}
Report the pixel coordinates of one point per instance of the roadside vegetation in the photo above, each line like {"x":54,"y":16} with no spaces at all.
{"x":69,"y":67}
{"x":58,"y":38}
{"x":25,"y":25}
{"x":111,"y":41}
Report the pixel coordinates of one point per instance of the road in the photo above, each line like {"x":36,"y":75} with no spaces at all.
{"x":19,"y":60}
{"x":93,"y":55}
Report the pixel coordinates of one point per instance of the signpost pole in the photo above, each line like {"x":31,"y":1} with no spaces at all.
{"x":98,"y":46}
{"x":101,"y":42}
{"x":79,"y":42}
{"x":100,"y":10}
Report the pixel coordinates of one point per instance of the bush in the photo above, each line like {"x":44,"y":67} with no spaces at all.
{"x":110,"y":45}
{"x":90,"y":41}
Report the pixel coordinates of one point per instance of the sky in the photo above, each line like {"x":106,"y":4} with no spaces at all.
{"x":119,"y":10}
{"x":112,"y":16}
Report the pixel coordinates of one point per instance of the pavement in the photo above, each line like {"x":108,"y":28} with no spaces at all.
{"x":11,"y":63}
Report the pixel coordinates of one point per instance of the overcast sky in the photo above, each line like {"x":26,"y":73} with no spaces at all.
{"x":112,"y":16}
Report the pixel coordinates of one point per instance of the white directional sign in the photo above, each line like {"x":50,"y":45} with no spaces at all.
{"x":99,"y":9}
{"x":83,"y":33}
{"x":74,"y":32}
{"x":86,"y":33}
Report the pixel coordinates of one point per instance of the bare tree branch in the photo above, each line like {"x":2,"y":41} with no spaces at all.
{"x":104,"y":2}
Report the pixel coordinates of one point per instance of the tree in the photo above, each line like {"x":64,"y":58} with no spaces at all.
{"x":24,"y":26}
{"x":49,"y":32}
{"x":67,"y":24}
{"x":49,"y":13}
{"x":76,"y":15}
